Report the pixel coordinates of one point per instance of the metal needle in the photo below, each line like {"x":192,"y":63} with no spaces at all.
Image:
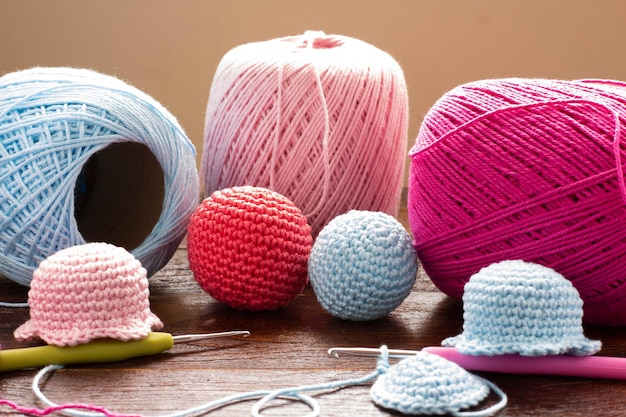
{"x":185,"y":338}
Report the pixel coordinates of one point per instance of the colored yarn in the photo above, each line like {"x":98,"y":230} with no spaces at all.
{"x":86,"y":292}
{"x":203,"y":409}
{"x":429,"y":384}
{"x":437,"y":384}
{"x":9,"y":304}
{"x":59,"y":408}
{"x":321,"y":119}
{"x":516,"y":307}
{"x":248,"y":247}
{"x":54,"y":122}
{"x":362,"y":265}
{"x":263,"y":396}
{"x":527,"y":169}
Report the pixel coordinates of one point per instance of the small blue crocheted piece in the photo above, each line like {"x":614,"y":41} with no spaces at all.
{"x":517,"y":307}
{"x":362,"y":265}
{"x":429,"y":384}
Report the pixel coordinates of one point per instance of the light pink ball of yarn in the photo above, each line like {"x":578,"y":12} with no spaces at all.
{"x":321,"y":119}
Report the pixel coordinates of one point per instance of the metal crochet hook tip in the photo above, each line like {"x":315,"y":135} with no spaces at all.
{"x":394,"y":353}
{"x":196,"y":337}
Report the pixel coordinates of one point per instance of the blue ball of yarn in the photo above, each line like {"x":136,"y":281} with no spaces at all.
{"x":362,"y":265}
{"x":87,"y":157}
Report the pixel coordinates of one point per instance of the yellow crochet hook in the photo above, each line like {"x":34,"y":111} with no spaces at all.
{"x":98,"y":351}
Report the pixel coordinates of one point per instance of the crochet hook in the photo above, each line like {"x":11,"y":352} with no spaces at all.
{"x":98,"y":351}
{"x":563,"y":365}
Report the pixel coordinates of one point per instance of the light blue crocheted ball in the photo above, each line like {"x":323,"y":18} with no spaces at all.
{"x":362,"y":265}
{"x":428,"y":384}
{"x":525,"y":308}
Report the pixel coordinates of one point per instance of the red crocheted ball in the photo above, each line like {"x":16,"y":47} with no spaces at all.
{"x":248,"y":247}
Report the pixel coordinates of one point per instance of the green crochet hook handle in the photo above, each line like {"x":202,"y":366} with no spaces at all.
{"x":103,"y":350}
{"x":98,"y":351}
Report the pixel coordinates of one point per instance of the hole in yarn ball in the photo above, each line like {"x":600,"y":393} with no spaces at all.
{"x":119,"y":195}
{"x":319,"y":40}
{"x":326,"y":42}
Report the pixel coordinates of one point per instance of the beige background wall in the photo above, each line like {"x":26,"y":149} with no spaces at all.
{"x":170,"y":48}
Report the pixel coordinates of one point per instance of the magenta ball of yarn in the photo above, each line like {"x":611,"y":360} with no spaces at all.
{"x":526,"y":169}
{"x":321,"y":119}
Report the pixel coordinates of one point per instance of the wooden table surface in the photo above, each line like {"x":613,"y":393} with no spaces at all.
{"x":286,"y":348}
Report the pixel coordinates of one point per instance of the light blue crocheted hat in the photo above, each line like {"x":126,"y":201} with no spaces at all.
{"x":525,"y":308}
{"x":362,"y":265}
{"x":429,"y":384}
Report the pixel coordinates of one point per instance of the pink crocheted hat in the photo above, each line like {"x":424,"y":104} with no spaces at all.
{"x":86,"y":292}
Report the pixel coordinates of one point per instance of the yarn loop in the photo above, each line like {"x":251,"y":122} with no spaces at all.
{"x":419,"y":383}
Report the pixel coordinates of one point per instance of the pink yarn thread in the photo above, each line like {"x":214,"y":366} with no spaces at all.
{"x":49,"y":410}
{"x":321,"y":119}
{"x":525,"y":169}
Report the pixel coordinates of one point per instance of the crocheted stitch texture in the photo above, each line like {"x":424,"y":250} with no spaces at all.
{"x":362,"y":265}
{"x":428,"y":384}
{"x":86,"y":292}
{"x":520,"y":307}
{"x":248,"y":247}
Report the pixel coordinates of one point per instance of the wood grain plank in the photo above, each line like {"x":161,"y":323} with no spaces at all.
{"x":286,"y":348}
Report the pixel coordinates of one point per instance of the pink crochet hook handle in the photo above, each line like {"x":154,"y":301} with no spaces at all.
{"x":579,"y":366}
